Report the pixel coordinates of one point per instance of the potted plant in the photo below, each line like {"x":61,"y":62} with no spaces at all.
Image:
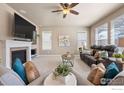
{"x":118,"y":57}
{"x":62,"y":70}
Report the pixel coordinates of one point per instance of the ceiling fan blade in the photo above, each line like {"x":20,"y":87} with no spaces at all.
{"x":64,"y":15}
{"x":74,"y":12}
{"x":62,"y":5}
{"x":57,"y":11}
{"x":66,"y":5}
{"x":73,"y":5}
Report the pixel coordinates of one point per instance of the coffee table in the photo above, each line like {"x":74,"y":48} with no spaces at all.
{"x":60,"y":80}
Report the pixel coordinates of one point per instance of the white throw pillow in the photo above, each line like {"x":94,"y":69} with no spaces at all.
{"x":104,"y":54}
{"x":11,"y":78}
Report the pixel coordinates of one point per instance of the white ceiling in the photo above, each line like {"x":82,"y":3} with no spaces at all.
{"x":40,"y":13}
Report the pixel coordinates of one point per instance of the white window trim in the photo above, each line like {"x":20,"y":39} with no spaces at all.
{"x":42,"y":39}
{"x":96,"y":29}
{"x":81,"y":40}
{"x":112,"y":39}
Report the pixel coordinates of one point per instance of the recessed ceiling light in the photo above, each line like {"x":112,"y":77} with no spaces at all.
{"x":23,"y":11}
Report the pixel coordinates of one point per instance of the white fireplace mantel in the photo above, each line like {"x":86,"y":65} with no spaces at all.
{"x":12,"y":44}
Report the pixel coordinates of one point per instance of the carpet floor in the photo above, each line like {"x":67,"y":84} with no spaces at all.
{"x":47,"y":63}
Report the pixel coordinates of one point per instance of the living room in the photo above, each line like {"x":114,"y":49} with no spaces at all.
{"x":85,"y":40}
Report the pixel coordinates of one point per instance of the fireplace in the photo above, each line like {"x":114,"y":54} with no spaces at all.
{"x":12,"y":49}
{"x":21,"y":54}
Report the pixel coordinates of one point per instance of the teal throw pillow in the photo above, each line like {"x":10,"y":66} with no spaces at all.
{"x":19,"y":69}
{"x":111,"y":71}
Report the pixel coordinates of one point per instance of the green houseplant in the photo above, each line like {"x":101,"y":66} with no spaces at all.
{"x":118,"y":57}
{"x":62,"y":70}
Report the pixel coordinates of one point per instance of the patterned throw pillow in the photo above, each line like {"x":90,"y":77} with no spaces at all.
{"x":111,"y":71}
{"x":93,"y":52}
{"x":101,"y":66}
{"x":104,"y":54}
{"x":97,"y":55}
{"x":31,"y":71}
{"x":97,"y":72}
{"x":92,"y":73}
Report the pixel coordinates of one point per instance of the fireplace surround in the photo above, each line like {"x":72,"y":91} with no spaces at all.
{"x":11,"y":45}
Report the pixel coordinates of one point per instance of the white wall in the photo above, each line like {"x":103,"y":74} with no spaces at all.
{"x":56,"y":31}
{"x":6,"y":27}
{"x":108,"y":20}
{"x":7,"y":23}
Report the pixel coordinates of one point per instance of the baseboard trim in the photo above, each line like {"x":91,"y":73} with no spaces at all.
{"x":48,"y":55}
{"x":54,"y":55}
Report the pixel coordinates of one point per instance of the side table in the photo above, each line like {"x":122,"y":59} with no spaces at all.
{"x":68,"y":59}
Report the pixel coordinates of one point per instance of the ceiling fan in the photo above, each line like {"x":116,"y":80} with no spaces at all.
{"x":67,"y":8}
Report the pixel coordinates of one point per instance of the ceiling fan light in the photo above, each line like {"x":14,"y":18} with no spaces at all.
{"x":66,"y":11}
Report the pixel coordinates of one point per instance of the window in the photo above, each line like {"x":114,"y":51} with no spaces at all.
{"x":117,"y":32}
{"x":81,"y":39}
{"x":101,"y":35}
{"x":46,"y":40}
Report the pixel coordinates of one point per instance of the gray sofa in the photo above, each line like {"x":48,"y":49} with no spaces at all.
{"x":118,"y":79}
{"x":89,"y":59}
{"x":9,"y":77}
